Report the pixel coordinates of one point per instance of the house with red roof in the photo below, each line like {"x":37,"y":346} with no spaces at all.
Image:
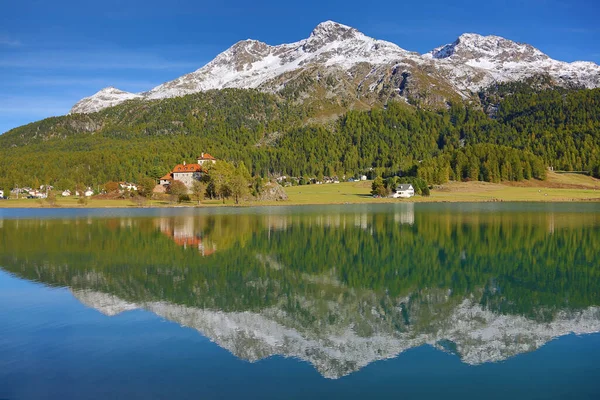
{"x":188,"y":173}
{"x":206,"y":158}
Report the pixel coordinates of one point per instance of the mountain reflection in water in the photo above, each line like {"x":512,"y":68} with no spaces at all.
{"x":338,"y":287}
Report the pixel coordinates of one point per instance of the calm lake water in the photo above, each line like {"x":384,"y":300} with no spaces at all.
{"x":383,"y":301}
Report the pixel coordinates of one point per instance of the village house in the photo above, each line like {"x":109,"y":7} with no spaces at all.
{"x":405,"y":190}
{"x":66,"y":193}
{"x":188,"y":173}
{"x":128,"y":186}
{"x":2,"y":193}
{"x":206,"y":158}
{"x":87,"y":193}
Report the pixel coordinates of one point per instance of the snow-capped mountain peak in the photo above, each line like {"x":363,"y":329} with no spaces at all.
{"x":107,"y":97}
{"x":471,"y":46}
{"x":250,"y":63}
{"x":364,"y":67}
{"x":331,"y":30}
{"x":503,"y":60}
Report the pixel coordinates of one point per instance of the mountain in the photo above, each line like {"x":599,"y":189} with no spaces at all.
{"x":338,"y":64}
{"x":505,"y":61}
{"x":107,"y":97}
{"x":466,"y":329}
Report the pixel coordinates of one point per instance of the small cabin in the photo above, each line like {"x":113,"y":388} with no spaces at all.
{"x":404,"y":191}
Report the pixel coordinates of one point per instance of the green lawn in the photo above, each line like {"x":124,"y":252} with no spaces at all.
{"x":564,"y":187}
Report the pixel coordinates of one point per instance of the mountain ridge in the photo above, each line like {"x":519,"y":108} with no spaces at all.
{"x":349,"y":64}
{"x":479,"y":335}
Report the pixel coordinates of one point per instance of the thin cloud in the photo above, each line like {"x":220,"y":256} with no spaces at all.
{"x":83,"y":82}
{"x":7,"y":41}
{"x":86,"y":60}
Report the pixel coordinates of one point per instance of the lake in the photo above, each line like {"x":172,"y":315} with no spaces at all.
{"x":487,"y":300}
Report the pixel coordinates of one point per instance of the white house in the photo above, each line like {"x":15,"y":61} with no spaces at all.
{"x":66,"y":193}
{"x":1,"y":193}
{"x":128,"y":186}
{"x":405,"y":190}
{"x":89,"y":192}
{"x":363,"y":177}
{"x":187,"y":173}
{"x":206,"y":158}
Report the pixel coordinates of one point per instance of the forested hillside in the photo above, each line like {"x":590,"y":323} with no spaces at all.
{"x":528,"y":131}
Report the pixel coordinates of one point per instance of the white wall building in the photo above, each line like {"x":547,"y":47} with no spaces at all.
{"x":188,"y":173}
{"x":405,"y":190}
{"x":206,"y":158}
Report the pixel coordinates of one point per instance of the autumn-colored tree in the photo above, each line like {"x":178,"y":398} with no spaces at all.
{"x":177,"y":190}
{"x":111,"y":186}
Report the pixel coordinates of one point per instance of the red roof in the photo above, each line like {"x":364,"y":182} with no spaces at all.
{"x":167,"y":177}
{"x":187,"y":168}
{"x":206,"y":156}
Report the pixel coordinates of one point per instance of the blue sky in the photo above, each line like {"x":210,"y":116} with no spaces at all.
{"x":53,"y":53}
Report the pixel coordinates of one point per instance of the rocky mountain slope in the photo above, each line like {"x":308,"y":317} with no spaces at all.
{"x":341,"y":65}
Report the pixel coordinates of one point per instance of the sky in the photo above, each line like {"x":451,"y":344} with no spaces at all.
{"x":53,"y":53}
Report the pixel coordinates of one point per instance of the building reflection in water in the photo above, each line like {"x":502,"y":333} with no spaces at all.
{"x":187,"y":232}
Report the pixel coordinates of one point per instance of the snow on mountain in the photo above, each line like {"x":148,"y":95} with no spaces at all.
{"x":107,"y":304}
{"x":470,"y":63}
{"x":105,"y":98}
{"x":250,"y":63}
{"x":477,"y":335}
{"x":505,"y":60}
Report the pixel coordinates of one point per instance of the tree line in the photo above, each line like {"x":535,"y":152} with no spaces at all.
{"x":529,"y":131}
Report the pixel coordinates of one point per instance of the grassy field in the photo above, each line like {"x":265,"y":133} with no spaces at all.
{"x":564,"y":187}
{"x":558,"y":187}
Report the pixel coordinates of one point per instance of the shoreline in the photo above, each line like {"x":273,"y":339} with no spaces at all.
{"x":557,"y":188}
{"x":22,"y":204}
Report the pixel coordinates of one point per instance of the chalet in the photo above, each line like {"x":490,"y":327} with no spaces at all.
{"x":404,"y":191}
{"x":66,"y":193}
{"x":188,"y":173}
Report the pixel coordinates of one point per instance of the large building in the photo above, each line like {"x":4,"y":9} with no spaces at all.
{"x":188,"y":173}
